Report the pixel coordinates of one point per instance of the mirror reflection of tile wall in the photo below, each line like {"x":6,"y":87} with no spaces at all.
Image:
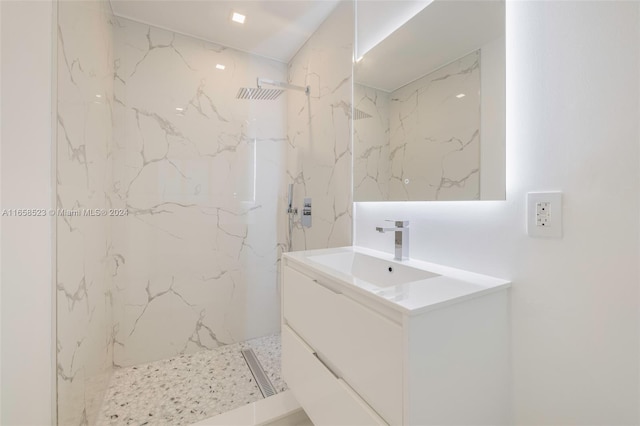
{"x":422,"y":141}
{"x":371,"y":129}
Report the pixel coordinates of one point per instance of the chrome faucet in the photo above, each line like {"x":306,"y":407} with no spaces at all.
{"x":401,"y":229}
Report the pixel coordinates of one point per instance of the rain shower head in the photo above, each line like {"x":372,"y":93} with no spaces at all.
{"x":260,"y":93}
{"x":359,"y":114}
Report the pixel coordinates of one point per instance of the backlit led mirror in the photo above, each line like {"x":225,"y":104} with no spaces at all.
{"x":429,"y":101}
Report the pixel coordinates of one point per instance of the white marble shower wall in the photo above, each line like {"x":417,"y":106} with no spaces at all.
{"x":83,"y":244}
{"x":200,"y":173}
{"x":319,"y":131}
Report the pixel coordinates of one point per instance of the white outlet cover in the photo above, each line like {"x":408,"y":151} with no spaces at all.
{"x":553,"y":226}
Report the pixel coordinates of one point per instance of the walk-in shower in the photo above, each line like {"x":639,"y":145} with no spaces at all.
{"x":155,"y":306}
{"x":172,"y":292}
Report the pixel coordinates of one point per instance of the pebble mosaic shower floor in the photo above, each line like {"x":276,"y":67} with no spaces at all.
{"x":189,"y":388}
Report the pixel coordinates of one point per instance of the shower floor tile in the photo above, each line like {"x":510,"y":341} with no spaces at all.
{"x":188,"y":388}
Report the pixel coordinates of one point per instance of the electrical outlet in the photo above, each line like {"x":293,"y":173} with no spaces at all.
{"x":544,"y":214}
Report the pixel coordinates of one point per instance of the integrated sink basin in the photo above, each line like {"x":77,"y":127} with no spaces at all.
{"x":376,"y":271}
{"x":409,"y":286}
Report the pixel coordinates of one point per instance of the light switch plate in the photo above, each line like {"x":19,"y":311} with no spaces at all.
{"x":544,"y":214}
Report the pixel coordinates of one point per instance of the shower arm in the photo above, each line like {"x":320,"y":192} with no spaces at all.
{"x":261,"y":81}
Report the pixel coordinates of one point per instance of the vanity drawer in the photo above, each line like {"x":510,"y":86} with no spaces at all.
{"x":363,"y":347}
{"x":326,"y":399}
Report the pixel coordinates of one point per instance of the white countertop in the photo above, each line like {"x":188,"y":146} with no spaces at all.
{"x":452,"y":285}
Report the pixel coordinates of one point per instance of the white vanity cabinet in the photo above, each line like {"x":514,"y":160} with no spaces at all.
{"x":351,"y":359}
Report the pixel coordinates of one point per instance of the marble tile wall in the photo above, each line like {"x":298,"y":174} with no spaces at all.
{"x":201,"y":174}
{"x":371,"y":128}
{"x":319,"y":132}
{"x":435,"y":136}
{"x":85,"y":259}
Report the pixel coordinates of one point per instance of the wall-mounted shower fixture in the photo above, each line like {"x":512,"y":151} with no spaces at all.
{"x":261,"y":81}
{"x":291,"y":209}
{"x":263,"y":94}
{"x":291,"y":212}
{"x":306,"y":213}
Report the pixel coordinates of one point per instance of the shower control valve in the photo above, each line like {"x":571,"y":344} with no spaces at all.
{"x":306,"y":213}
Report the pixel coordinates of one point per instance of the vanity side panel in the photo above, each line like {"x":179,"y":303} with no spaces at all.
{"x":458,"y":361}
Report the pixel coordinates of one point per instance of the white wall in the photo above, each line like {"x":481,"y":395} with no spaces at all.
{"x":27,"y":350}
{"x":492,"y":121}
{"x":572,"y":125}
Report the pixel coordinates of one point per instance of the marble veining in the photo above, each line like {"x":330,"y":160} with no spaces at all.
{"x":319,"y":132}
{"x":435,"y":136}
{"x":187,"y":388}
{"x":83,"y":244}
{"x":422,"y":141}
{"x":200,"y":174}
{"x":371,"y":165}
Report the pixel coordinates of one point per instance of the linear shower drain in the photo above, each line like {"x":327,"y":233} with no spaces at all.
{"x":259,"y":375}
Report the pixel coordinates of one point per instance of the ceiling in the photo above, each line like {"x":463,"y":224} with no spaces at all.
{"x":377,"y":20}
{"x":442,"y":32}
{"x":273,"y":28}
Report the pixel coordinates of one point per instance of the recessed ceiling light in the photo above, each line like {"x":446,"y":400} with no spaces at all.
{"x":220,"y":66}
{"x":238,"y":17}
{"x":179,"y":109}
{"x":461,"y":95}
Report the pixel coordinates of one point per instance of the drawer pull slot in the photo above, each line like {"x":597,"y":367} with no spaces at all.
{"x":327,"y":287}
{"x":326,"y":366}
